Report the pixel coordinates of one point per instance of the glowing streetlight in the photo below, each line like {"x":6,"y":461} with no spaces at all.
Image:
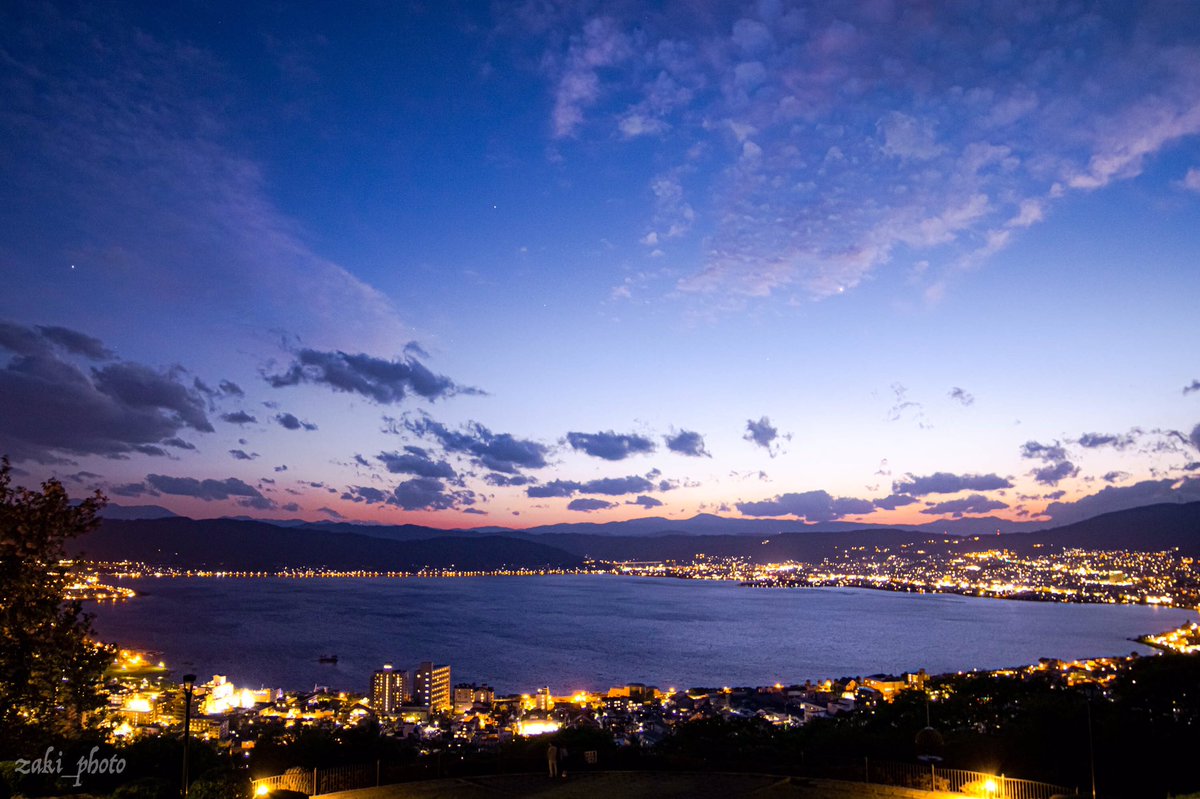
{"x":189,"y":682}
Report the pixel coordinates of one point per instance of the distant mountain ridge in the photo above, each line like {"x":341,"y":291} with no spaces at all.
{"x":234,"y":544}
{"x":243,"y":544}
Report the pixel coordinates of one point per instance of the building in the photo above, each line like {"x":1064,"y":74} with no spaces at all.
{"x":485,"y":695}
{"x":468,"y":695}
{"x":389,"y":690}
{"x":431,"y":687}
{"x":464,"y":697}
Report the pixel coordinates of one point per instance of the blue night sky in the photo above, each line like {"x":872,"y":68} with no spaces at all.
{"x":512,"y":264}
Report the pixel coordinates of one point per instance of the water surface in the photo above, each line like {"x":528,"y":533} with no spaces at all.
{"x":573,"y":632}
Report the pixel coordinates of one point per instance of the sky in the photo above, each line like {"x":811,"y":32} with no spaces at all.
{"x":469,"y":264}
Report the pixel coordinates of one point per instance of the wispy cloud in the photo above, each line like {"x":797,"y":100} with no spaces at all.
{"x":837,"y":141}
{"x":186,"y":216}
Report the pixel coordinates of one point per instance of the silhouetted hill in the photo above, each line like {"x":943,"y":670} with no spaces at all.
{"x":236,"y":544}
{"x":114,"y":511}
{"x":709,"y":524}
{"x":1150,"y":528}
{"x":233,"y":543}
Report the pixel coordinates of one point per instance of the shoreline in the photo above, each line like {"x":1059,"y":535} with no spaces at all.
{"x":647,"y":664}
{"x":1047,"y":596}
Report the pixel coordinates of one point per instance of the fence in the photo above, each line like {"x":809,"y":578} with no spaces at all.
{"x":315,"y":782}
{"x":977,"y":784}
{"x":952,"y":780}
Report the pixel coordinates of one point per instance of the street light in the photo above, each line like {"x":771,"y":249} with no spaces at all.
{"x":189,"y":682}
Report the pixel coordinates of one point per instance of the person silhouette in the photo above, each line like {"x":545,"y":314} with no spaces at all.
{"x":552,"y":759}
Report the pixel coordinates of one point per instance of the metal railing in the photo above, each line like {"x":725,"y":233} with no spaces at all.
{"x":315,"y":782}
{"x":976,"y":784}
{"x":968,"y":783}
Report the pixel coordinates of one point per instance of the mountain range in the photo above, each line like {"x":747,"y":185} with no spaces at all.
{"x":252,"y":544}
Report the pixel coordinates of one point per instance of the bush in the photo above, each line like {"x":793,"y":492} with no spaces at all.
{"x":146,"y":788}
{"x":221,"y":784}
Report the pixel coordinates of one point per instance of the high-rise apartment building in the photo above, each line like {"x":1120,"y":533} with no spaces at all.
{"x":431,"y":687}
{"x":389,"y":690}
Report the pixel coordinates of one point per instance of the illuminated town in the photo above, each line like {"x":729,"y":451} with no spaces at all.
{"x":420,"y":705}
{"x":943,"y":566}
{"x":1071,"y":575}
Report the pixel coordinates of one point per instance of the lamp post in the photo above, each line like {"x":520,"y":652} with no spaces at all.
{"x":1090,"y":693}
{"x":1091,"y":745}
{"x":189,"y":682}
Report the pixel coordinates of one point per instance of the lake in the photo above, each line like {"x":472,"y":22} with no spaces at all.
{"x":595,"y":631}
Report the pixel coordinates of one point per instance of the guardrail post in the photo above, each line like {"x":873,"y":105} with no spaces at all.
{"x":316,"y":787}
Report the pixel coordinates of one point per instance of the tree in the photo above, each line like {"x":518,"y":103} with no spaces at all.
{"x":51,"y":671}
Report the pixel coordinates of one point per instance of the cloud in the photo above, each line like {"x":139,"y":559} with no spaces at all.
{"x":903,"y":405}
{"x":600,"y":45}
{"x":975,"y":503}
{"x":1053,"y":473}
{"x":585,"y":505}
{"x":812,"y":181}
{"x":76,"y":343}
{"x":961,"y":396}
{"x":49,"y":403}
{"x":427,"y":493}
{"x":290,"y":422}
{"x":415,"y":460}
{"x":206,"y":490}
{"x":1191,"y":180}
{"x":646,"y":502}
{"x":812,"y":506}
{"x":608,"y":486}
{"x":1050,"y":452}
{"x":378,"y":379}
{"x":238,"y":417}
{"x":367,"y":494}
{"x":894,"y":501}
{"x":231,"y":389}
{"x":947,"y":483}
{"x":764,"y":434}
{"x":500,"y":452}
{"x":258,"y":503}
{"x":609,"y":445}
{"x":1097,"y":440}
{"x":506,"y":480}
{"x":135,"y":137}
{"x":131,"y":490}
{"x":1190,"y":387}
{"x":141,"y":387}
{"x":242,"y":455}
{"x":1195,"y":437}
{"x":687,"y":442}
{"x":1057,"y":467}
{"x":908,"y":138}
{"x":331,"y":513}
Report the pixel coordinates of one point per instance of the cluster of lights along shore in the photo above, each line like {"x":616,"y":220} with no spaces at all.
{"x":935,"y":566}
{"x":146,"y":701}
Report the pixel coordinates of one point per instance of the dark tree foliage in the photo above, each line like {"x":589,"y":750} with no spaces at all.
{"x":221,"y":783}
{"x":51,"y":671}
